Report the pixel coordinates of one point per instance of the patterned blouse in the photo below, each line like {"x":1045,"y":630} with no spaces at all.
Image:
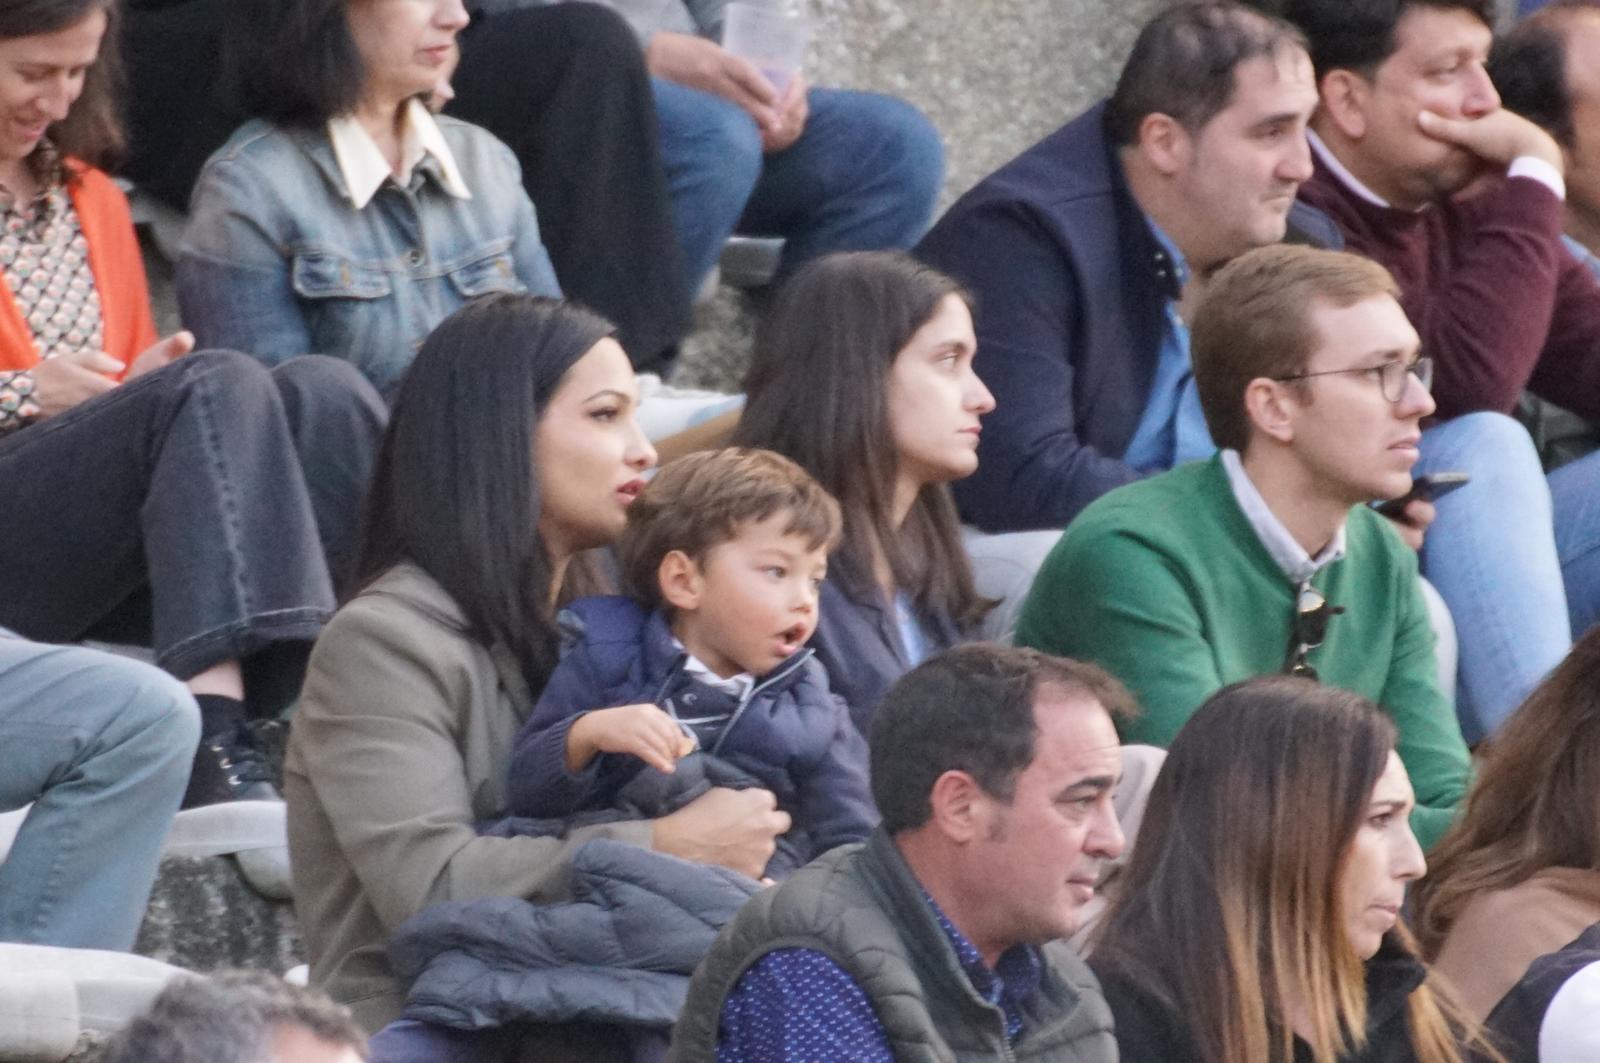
{"x":45,"y":261}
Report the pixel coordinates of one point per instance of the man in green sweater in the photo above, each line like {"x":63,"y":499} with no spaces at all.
{"x":1266,"y":558}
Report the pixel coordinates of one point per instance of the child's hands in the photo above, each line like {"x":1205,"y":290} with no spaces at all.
{"x":643,"y":731}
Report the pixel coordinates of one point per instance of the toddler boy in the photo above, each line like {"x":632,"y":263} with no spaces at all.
{"x":724,"y":552}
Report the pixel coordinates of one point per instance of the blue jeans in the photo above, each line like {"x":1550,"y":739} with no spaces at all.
{"x":863,"y":175}
{"x":101,"y":746}
{"x":1515,"y":555}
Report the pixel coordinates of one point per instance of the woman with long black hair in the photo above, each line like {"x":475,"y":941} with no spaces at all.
{"x":512,"y":449}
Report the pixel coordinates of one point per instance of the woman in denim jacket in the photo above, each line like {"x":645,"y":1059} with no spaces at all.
{"x":345,"y":218}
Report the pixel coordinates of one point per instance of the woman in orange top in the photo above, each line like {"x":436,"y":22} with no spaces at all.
{"x":194,"y":501}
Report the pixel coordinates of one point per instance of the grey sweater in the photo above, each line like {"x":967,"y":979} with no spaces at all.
{"x":647,"y":17}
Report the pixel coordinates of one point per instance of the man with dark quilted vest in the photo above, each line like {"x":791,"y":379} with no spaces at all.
{"x":938,"y":938}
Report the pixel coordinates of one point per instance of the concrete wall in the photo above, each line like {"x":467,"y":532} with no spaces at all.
{"x":994,"y":75}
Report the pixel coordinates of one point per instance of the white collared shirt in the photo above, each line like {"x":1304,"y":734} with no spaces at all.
{"x":1522,"y":166}
{"x":739,"y":686}
{"x":364,"y":168}
{"x":1289,"y":555}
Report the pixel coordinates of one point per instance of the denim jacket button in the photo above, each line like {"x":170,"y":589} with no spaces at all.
{"x":417,"y":257}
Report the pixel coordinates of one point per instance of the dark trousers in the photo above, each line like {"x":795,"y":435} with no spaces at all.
{"x":218,"y":494}
{"x":565,"y":86}
{"x":408,"y":1041}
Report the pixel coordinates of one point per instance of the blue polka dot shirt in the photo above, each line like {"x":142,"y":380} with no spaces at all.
{"x":798,"y":1006}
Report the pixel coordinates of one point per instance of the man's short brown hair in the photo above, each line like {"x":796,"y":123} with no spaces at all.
{"x":1255,"y":321}
{"x":702,"y":500}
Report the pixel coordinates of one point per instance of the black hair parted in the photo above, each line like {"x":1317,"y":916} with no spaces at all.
{"x":294,"y":62}
{"x":455,"y":490}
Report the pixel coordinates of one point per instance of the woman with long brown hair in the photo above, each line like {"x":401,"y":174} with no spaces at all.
{"x":863,"y":375}
{"x":1519,"y":875}
{"x":1260,"y":921}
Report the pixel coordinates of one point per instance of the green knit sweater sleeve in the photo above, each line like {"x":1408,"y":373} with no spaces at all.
{"x":1431,"y":746}
{"x":1107,"y":594}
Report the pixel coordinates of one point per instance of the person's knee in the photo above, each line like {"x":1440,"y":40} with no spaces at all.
{"x":597,"y":34}
{"x":163,"y":710}
{"x":734,"y":150}
{"x":1496,"y":433}
{"x":1498,"y":453}
{"x":157,"y":721}
{"x":229,"y":372}
{"x":881,"y":162}
{"x":912,"y":148}
{"x":714,"y":138}
{"x":329,"y":382}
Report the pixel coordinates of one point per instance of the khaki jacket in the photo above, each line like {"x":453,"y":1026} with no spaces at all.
{"x":400,"y":744}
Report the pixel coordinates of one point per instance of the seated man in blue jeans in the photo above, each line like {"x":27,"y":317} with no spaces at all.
{"x":826,"y":169}
{"x":101,"y":747}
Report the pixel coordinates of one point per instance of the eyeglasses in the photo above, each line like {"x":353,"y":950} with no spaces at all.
{"x":1391,"y":376}
{"x":1311,"y":615}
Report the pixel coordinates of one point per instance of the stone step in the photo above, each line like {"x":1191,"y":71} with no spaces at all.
{"x":205,"y":915}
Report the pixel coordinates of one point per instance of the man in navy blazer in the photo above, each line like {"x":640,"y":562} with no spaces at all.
{"x":1080,"y":253}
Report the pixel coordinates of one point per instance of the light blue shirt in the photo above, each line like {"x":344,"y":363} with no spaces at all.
{"x":1286,"y":551}
{"x":912,"y":637}
{"x":1173,"y":428}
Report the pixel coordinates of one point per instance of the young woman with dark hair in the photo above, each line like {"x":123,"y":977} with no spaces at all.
{"x":1519,"y":874}
{"x":195,"y":502}
{"x":863,"y":375}
{"x":512,"y":449}
{"x":1259,"y":916}
{"x":346,"y":218}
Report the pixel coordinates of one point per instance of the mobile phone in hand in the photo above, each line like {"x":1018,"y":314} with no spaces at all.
{"x":1429,"y":486}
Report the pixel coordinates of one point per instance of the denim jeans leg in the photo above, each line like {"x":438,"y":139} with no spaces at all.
{"x":101,"y":746}
{"x":336,"y":420}
{"x":1491,"y":553}
{"x":185,"y":481}
{"x":1575,"y":490}
{"x":863,"y":176}
{"x":711,"y":152}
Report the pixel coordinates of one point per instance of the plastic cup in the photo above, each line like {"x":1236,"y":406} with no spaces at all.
{"x":772,"y":39}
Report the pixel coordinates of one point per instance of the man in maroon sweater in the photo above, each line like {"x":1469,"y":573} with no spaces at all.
{"x":1498,"y":304}
{"x":1463,"y":201}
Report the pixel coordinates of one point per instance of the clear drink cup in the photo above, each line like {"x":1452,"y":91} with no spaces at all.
{"x":771,"y":38}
